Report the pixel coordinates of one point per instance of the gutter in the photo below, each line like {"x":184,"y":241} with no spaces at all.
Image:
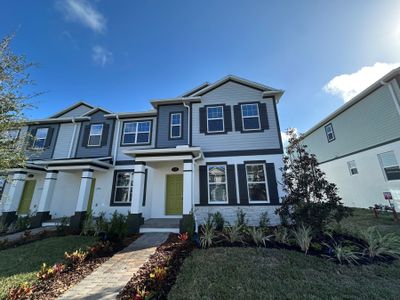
{"x":116,"y":140}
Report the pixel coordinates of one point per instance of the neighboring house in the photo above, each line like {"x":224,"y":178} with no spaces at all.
{"x":358,"y":145}
{"x":215,"y":148}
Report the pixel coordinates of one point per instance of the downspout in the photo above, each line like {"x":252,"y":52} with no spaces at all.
{"x":200,"y":156}
{"x":393,"y":94}
{"x":116,"y":140}
{"x":188,"y":108}
{"x":73,"y":137}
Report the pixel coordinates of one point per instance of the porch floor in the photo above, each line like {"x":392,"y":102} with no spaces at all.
{"x":161,"y":223}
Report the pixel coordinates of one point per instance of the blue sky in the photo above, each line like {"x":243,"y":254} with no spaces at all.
{"x":120,"y":54}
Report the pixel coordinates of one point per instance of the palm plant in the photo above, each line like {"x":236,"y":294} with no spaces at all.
{"x":208,"y":235}
{"x":281,"y":235}
{"x":258,"y":237}
{"x":380,"y":246}
{"x":302,"y":235}
{"x":342,"y":253}
{"x":234,"y":234}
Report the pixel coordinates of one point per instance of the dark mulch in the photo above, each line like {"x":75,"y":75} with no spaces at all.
{"x":53,"y":287}
{"x":170,"y":255}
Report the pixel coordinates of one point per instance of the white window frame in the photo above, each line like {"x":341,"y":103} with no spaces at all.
{"x":330,"y":127}
{"x":217,"y":183}
{"x":246,"y":117}
{"x":8,"y":137}
{"x":44,"y":139}
{"x":383,"y":167}
{"x":97,"y":134}
{"x":175,"y":125}
{"x":136,"y":133}
{"x":350,"y":168}
{"x":218,"y":118}
{"x":130,"y":186}
{"x":257,"y":182}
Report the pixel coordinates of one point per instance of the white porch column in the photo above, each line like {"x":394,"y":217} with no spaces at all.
{"x":138,"y":187}
{"x":187,"y":186}
{"x":15,"y":191}
{"x":48,"y":190}
{"x":84,"y":190}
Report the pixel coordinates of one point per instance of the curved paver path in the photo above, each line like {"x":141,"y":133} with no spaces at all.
{"x":111,"y":277}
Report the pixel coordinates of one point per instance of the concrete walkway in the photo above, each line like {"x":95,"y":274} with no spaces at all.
{"x":18,"y":235}
{"x":111,"y":277}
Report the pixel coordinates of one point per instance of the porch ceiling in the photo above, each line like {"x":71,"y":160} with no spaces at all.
{"x":165,"y":154}
{"x":98,"y":164}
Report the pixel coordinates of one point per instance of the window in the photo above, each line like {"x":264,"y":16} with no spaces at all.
{"x":256,"y":182}
{"x":330,"y":134}
{"x":352,"y":167}
{"x":40,"y":138}
{"x":123,"y":187}
{"x":215,"y":119}
{"x":136,"y":133}
{"x":2,"y":185}
{"x":217,"y":185}
{"x":250,"y":117}
{"x":175,"y":125}
{"x":11,"y":135}
{"x":95,"y":134}
{"x":389,"y":165}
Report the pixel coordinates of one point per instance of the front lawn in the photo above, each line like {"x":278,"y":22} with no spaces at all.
{"x":20,"y":264}
{"x":265,"y":273}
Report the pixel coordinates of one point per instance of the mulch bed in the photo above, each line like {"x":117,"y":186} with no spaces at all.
{"x":156,"y":277}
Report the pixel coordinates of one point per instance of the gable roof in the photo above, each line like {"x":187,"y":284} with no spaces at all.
{"x":196,"y":89}
{"x":258,"y":86}
{"x":96,"y":109}
{"x":72,"y":107}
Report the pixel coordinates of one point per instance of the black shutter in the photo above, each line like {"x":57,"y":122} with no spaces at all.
{"x":203,"y":185}
{"x":227,"y":118}
{"x":262,"y":108}
{"x":49,"y":137}
{"x":272,"y":184}
{"x":85,"y":137}
{"x":203,"y":120}
{"x":231,"y":185}
{"x":244,"y":197}
{"x":238,"y":117}
{"x":31,"y":138}
{"x":104,"y":138}
{"x":145,"y":188}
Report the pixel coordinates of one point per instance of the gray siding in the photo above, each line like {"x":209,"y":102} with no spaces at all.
{"x":371,"y":121}
{"x":231,"y":94}
{"x":83,"y":151}
{"x":64,"y":140}
{"x":76,"y":112}
{"x":163,"y":128}
{"x":47,"y":152}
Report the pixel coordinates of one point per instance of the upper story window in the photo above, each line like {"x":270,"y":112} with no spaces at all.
{"x":250,"y":116}
{"x":175,"y":125}
{"x":11,"y":135}
{"x":136,"y":133}
{"x":215,"y":119}
{"x":256,"y":182}
{"x":389,"y":165}
{"x":217,"y":184}
{"x":330,"y":134}
{"x":40,"y":137}
{"x":352,"y":167}
{"x":95,"y":134}
{"x":123,"y":187}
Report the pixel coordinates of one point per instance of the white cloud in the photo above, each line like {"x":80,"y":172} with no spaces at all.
{"x":81,"y":11}
{"x":101,"y":55}
{"x":349,"y":85}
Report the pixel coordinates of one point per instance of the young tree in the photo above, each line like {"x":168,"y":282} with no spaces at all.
{"x":310,"y":199}
{"x":14,"y":79}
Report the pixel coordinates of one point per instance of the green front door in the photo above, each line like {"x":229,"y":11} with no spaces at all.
{"x":174,"y":199}
{"x":26,"y":197}
{"x":90,"y":202}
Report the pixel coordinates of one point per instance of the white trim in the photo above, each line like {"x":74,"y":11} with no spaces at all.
{"x":218,"y":118}
{"x":247,"y":117}
{"x":329,"y":127}
{"x":352,"y":168}
{"x":171,"y":125}
{"x":129,"y":187}
{"x":70,"y":108}
{"x":257,"y":182}
{"x":44,"y":139}
{"x":94,"y":135}
{"x":217,"y":183}
{"x":136,"y":132}
{"x":384,"y":167}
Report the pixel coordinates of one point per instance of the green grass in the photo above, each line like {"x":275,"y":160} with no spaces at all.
{"x":259,"y":273}
{"x":20,"y":264}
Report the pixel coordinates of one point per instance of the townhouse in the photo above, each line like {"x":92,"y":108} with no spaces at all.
{"x":214,"y":148}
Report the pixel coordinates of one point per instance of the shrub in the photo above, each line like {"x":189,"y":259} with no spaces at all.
{"x":88,"y":227}
{"x":189,"y":224}
{"x":264,"y":220}
{"x":233,"y":234}
{"x":310,"y":199}
{"x":12,"y":227}
{"x":241,"y":219}
{"x":208,"y":235}
{"x":22,"y":223}
{"x":379,"y":246}
{"x":117,"y":229}
{"x":76,"y":257}
{"x":22,"y":291}
{"x":343,"y":254}
{"x":159,"y":273}
{"x":281,"y":235}
{"x":48,"y":272}
{"x":183,"y":237}
{"x":258,"y":236}
{"x":101,"y":248}
{"x":218,"y":221}
{"x":302,"y":236}
{"x":3,"y":227}
{"x":62,"y":226}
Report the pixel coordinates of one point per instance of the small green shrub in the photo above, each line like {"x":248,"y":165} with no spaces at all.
{"x":234,"y":234}
{"x":379,"y":246}
{"x":101,"y":224}
{"x":241,"y":220}
{"x":207,"y":235}
{"x":62,"y":226}
{"x":344,"y":254}
{"x":281,"y":235}
{"x":302,"y":235}
{"x":264,"y":220}
{"x":117,"y":229}
{"x":12,"y":227}
{"x":88,"y":227}
{"x":189,"y":224}
{"x":218,"y":221}
{"x":258,"y":236}
{"x":3,"y":227}
{"x":22,"y":223}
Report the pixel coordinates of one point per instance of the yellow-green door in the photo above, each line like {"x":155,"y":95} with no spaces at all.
{"x":26,"y":197}
{"x":90,"y":202}
{"x":174,"y":199}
